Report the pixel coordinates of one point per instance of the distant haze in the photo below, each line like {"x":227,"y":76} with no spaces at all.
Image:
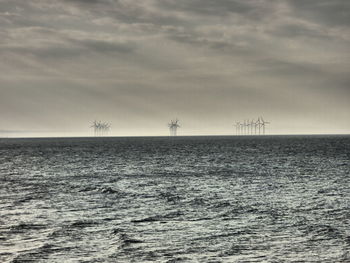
{"x":139,"y":64}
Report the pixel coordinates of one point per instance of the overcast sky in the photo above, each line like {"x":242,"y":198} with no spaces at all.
{"x":138,"y":64}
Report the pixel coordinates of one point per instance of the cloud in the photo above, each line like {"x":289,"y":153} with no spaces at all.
{"x":209,"y":7}
{"x":87,"y":1}
{"x":157,"y":58}
{"x":330,"y":13}
{"x":107,"y":46}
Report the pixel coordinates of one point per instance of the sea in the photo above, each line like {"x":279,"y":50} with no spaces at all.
{"x":175,"y":199}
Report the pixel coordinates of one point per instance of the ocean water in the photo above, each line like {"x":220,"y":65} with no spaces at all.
{"x":181,"y":199}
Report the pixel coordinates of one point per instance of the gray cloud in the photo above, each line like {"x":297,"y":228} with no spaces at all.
{"x":87,"y":1}
{"x":107,"y":46}
{"x":335,"y":12}
{"x":295,"y":30}
{"x":143,"y":62}
{"x":210,"y":7}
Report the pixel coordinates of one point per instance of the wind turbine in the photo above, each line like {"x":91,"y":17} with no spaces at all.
{"x":104,"y":128}
{"x":263,"y":123}
{"x":108,"y":126}
{"x":173,"y":125}
{"x":94,"y":125}
{"x":238,"y":126}
{"x":246,"y":124}
{"x":258,"y":124}
{"x":100,"y":128}
{"x":176,"y":125}
{"x":252,"y":123}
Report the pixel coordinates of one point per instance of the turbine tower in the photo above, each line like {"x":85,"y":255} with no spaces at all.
{"x":246,"y":124}
{"x":238,"y":127}
{"x":252,"y":124}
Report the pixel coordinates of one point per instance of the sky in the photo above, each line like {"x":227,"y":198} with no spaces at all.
{"x":137,"y":64}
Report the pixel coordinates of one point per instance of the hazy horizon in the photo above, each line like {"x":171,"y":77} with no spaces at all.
{"x":139,"y":64}
{"x":26,"y":134}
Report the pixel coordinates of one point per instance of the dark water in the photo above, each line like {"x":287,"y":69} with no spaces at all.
{"x":184,"y":199}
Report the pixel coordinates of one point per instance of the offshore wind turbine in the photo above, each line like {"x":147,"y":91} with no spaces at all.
{"x":252,"y":124}
{"x":173,"y":125}
{"x":104,"y":128}
{"x":258,"y":123}
{"x":250,"y":127}
{"x":263,"y":123}
{"x":246,"y":122}
{"x":108,"y":127}
{"x":238,"y":127}
{"x":100,"y":128}
{"x":94,"y":125}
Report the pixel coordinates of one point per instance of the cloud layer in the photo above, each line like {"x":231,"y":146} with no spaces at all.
{"x":138,"y":64}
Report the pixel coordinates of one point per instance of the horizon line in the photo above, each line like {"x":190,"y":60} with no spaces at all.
{"x":186,"y":135}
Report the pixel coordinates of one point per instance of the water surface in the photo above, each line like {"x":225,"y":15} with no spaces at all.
{"x":183,"y":199}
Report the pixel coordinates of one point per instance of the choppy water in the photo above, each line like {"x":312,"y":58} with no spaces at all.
{"x":184,"y":199}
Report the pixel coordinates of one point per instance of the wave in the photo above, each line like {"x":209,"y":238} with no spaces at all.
{"x":166,"y":217}
{"x":23,"y":227}
{"x":83,"y":223}
{"x":40,"y":253}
